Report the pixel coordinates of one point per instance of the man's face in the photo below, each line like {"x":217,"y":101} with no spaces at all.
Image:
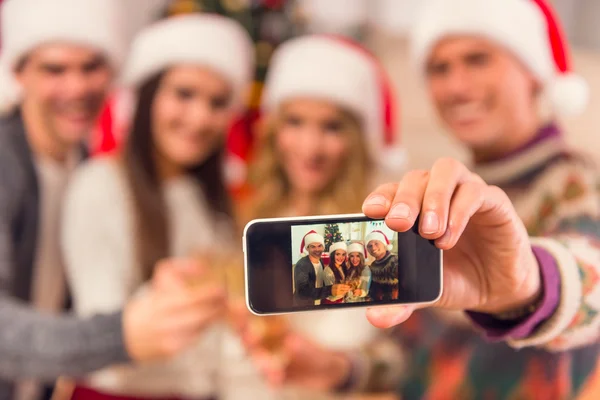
{"x":376,"y":249}
{"x":64,"y":86}
{"x":480,"y":90}
{"x":315,"y":250}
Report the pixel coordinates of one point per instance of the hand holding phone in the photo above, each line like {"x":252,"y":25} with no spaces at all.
{"x":489,"y":265}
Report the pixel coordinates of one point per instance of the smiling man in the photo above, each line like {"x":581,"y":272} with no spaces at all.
{"x":57,"y":63}
{"x":310,"y":288}
{"x":384,"y":269}
{"x":499,"y":77}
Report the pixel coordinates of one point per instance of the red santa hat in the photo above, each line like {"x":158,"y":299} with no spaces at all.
{"x":527,"y":28}
{"x":209,"y":40}
{"x":380,"y":236}
{"x":338,"y":246}
{"x":341,"y":71}
{"x":357,"y":248}
{"x":310,"y":238}
{"x":27,"y":24}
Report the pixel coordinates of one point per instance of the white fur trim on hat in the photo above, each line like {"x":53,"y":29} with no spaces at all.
{"x":213,"y":41}
{"x":356,"y":248}
{"x":326,"y":68}
{"x":27,"y":24}
{"x":338,"y":246}
{"x":379,"y":236}
{"x":521,"y":26}
{"x":310,"y":238}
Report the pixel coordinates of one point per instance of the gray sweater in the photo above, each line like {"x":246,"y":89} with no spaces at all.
{"x":34,"y":345}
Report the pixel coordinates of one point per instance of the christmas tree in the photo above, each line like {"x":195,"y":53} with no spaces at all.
{"x":332,"y":235}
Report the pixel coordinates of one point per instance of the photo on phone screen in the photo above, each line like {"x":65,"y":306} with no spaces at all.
{"x":331,"y":262}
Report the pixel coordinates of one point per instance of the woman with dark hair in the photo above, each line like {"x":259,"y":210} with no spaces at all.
{"x":335,"y":272}
{"x":163,"y":195}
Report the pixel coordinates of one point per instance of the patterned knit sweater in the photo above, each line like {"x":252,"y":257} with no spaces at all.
{"x":557,"y":194}
{"x":385,"y":271}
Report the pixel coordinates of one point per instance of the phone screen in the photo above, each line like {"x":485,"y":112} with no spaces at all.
{"x":333,"y":262}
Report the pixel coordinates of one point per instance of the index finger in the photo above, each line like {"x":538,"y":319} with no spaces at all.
{"x":377,"y":204}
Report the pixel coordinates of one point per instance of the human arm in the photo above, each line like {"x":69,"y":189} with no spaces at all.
{"x":489,"y":265}
{"x":39,"y":345}
{"x":46,"y":346}
{"x":99,"y":252}
{"x":565,"y":223}
{"x":502,"y":269}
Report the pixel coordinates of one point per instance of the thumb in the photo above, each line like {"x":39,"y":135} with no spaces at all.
{"x":386,"y":317}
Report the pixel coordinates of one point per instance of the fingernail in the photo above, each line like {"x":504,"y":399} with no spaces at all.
{"x":445,"y":239}
{"x":376,"y":200}
{"x":400,"y":211}
{"x":431,"y":223}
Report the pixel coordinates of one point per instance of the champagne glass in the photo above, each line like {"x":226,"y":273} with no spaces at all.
{"x":226,"y":265}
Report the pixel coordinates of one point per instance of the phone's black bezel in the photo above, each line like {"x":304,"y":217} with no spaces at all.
{"x":279,"y":230}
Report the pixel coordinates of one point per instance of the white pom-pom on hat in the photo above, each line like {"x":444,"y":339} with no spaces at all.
{"x":569,"y":93}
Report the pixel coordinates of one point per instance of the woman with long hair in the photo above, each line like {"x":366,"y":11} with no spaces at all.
{"x":335,"y":272}
{"x":163,"y":195}
{"x":358,"y":271}
{"x":327,"y":138}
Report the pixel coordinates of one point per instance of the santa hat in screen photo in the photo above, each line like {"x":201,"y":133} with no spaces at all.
{"x":380,"y":236}
{"x":529,"y":29}
{"x":339,"y":70}
{"x":310,"y":238}
{"x":337,"y":246}
{"x":357,"y":248}
{"x":27,"y":24}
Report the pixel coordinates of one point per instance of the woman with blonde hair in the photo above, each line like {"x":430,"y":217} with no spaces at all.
{"x":328,"y":134}
{"x":328,"y":129}
{"x":358,"y":271}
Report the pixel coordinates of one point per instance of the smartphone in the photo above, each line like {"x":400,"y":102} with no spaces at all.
{"x":334,"y":262}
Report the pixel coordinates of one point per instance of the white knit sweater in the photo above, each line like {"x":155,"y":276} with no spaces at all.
{"x":103,"y":273}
